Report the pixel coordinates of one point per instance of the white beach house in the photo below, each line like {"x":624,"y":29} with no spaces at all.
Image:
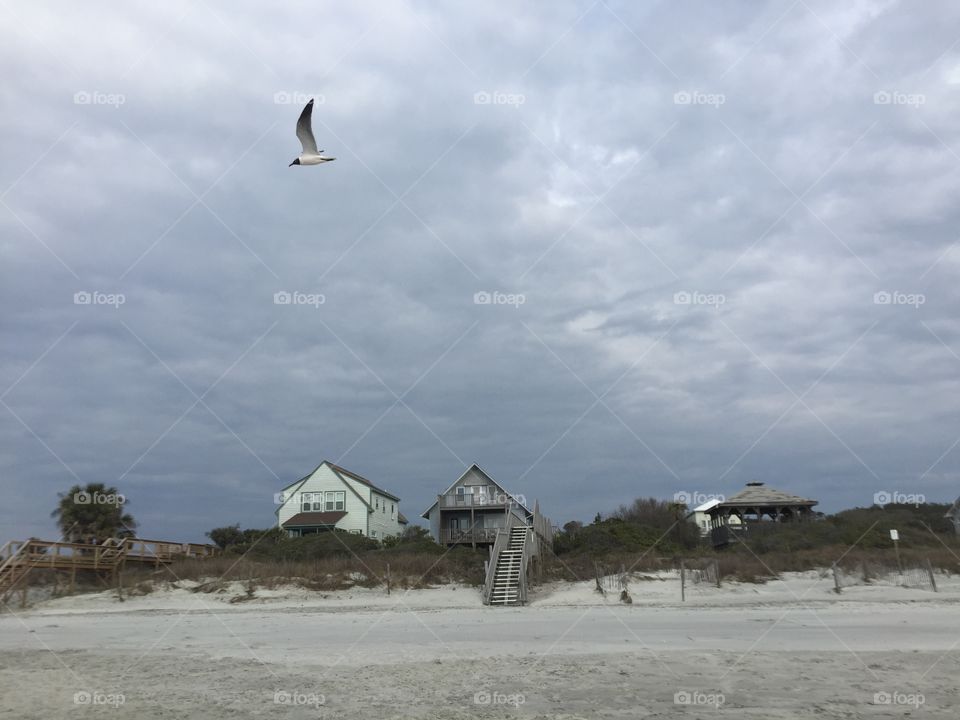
{"x":333,"y":498}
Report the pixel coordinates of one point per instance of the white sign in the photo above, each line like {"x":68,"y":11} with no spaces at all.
{"x":894,"y":535}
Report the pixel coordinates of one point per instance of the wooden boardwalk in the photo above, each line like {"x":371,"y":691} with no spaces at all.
{"x":18,"y":558}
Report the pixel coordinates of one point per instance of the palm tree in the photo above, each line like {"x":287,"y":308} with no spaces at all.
{"x":92,"y":514}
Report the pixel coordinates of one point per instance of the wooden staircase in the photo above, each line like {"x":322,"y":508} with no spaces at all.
{"x":13,"y":567}
{"x":510,"y":567}
{"x":516,"y":557}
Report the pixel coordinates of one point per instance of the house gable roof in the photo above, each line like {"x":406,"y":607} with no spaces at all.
{"x":426,"y":513}
{"x":362,"y":480}
{"x":340,"y":472}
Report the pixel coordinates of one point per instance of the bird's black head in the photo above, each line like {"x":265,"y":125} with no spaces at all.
{"x":296,"y":161}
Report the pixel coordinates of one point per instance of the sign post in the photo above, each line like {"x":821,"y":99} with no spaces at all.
{"x":895,"y":536}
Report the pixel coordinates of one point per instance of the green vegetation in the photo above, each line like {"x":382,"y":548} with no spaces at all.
{"x":651,"y":535}
{"x":93,"y":512}
{"x":920,"y":526}
{"x":645,"y":536}
{"x":331,"y":560}
{"x":645,"y":524}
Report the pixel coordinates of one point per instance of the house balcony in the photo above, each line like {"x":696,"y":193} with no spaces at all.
{"x":469,"y":536}
{"x":487,"y":500}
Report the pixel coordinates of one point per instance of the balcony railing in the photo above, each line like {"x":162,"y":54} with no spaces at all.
{"x":478,"y":535}
{"x":466,"y":501}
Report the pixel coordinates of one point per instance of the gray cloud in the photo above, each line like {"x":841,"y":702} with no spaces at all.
{"x":598,"y":197}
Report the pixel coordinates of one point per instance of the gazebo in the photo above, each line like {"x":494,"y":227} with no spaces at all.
{"x":756,"y":504}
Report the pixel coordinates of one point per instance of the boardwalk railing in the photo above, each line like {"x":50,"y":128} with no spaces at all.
{"x":19,"y":557}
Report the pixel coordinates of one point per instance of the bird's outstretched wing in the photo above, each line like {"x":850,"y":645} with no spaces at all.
{"x":305,"y":130}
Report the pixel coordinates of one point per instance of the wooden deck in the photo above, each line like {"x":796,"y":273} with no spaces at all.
{"x":19,"y":557}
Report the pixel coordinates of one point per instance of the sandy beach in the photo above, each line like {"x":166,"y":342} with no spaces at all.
{"x":783,"y":649}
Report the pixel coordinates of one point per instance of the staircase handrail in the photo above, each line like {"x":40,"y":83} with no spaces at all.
{"x":503,"y":537}
{"x":499,"y":544}
{"x":528,"y":544}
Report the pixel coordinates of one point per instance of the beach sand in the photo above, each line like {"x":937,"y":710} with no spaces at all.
{"x":784,"y":649}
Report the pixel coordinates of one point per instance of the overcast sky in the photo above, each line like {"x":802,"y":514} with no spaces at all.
{"x":719,"y":242}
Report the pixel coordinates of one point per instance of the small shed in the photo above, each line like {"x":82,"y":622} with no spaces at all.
{"x":953,"y":514}
{"x":700,"y":516}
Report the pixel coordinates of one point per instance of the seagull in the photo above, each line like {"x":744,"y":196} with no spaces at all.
{"x":310,"y":154}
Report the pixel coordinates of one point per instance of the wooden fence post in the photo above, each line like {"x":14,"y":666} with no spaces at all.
{"x":683,"y":588}
{"x":716,"y":566}
{"x":388,"y":578}
{"x":836,"y":580}
{"x":933,"y":581}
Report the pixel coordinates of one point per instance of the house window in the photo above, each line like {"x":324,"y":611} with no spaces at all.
{"x":393,"y":511}
{"x":373,"y":533}
{"x":335,"y":500}
{"x":311,"y":501}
